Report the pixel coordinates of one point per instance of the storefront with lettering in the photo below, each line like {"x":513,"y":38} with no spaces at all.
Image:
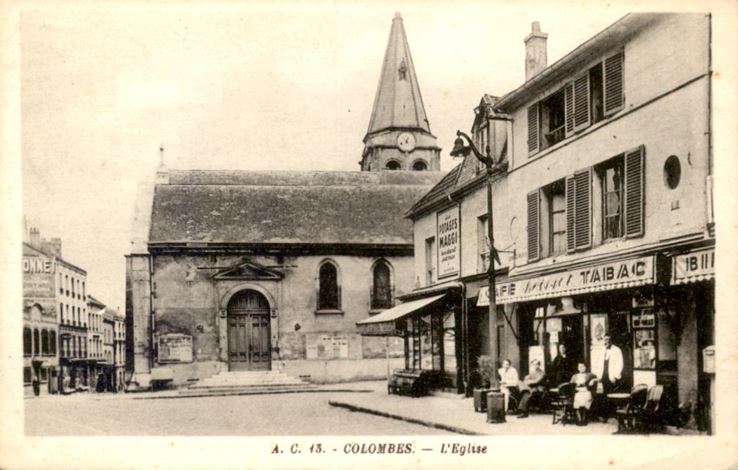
{"x":579,"y":307}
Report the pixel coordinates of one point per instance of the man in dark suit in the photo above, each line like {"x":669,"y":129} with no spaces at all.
{"x":561,"y":368}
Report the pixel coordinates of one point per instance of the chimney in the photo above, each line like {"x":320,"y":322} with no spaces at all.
{"x":535,"y":51}
{"x":34,"y":238}
{"x":162,"y":173}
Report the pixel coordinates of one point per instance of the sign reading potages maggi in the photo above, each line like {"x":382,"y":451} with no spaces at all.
{"x":449,"y":253}
{"x":608,"y":276}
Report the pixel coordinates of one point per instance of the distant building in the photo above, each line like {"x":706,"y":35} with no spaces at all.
{"x":55,"y":316}
{"x":108,"y":361}
{"x":271,"y":270}
{"x":95,"y":340}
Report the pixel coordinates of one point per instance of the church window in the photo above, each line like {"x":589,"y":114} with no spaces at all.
{"x":328,"y":287}
{"x":420,"y":165}
{"x":393,"y":165}
{"x":381,"y":286}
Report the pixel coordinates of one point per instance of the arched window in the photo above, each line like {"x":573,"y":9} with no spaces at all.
{"x":52,"y":342}
{"x":420,"y":165}
{"x":393,"y":165}
{"x":328,"y":287}
{"x":381,"y":286}
{"x":44,"y":342}
{"x":36,"y":342}
{"x":27,"y":342}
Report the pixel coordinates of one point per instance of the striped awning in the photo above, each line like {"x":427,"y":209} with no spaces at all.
{"x":695,"y":266}
{"x":385,"y":323}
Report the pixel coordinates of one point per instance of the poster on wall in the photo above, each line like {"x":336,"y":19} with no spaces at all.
{"x":325,"y":346}
{"x":598,"y":329}
{"x":449,"y":252}
{"x":175,"y":348}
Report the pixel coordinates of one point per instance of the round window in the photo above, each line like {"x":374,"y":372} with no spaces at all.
{"x":672,"y":171}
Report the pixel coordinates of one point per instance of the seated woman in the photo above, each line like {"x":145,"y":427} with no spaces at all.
{"x":583,"y":396}
{"x":509,"y":381}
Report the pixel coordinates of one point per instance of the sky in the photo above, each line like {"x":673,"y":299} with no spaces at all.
{"x":238,"y":86}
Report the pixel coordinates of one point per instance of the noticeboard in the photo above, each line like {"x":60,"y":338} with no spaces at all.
{"x":175,"y":348}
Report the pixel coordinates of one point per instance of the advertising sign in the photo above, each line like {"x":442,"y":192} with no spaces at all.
{"x":449,"y":252}
{"x":694,"y":266}
{"x":326,"y":346}
{"x":615,"y":275}
{"x":175,"y":347}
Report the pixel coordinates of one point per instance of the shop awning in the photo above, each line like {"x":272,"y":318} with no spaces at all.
{"x":385,"y":324}
{"x":695,"y":266}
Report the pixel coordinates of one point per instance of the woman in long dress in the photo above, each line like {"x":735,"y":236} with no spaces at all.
{"x":583,"y":396}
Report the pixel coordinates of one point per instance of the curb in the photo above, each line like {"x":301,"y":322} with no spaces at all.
{"x":421,"y":422}
{"x":251,"y":392}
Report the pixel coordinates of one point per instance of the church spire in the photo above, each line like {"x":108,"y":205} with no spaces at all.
{"x":398,"y":103}
{"x":399,"y":136}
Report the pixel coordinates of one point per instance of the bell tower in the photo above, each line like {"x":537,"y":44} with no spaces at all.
{"x":399,"y":136}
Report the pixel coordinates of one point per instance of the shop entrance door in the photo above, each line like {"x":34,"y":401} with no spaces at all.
{"x":572,"y":336}
{"x":249,"y":345}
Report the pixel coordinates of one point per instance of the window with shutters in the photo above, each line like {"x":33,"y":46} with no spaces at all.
{"x":588,"y":98}
{"x":534,"y":248}
{"x":622,"y":182}
{"x":553,"y":225}
{"x":579,"y":210}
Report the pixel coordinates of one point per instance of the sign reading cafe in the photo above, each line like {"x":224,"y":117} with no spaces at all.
{"x":449,"y":253}
{"x":616,"y":275}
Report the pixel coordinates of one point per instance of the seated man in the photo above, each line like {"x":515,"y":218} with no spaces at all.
{"x":509,"y":381}
{"x":532,"y":387}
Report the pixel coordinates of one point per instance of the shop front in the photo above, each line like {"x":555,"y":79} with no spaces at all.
{"x":430,"y":324}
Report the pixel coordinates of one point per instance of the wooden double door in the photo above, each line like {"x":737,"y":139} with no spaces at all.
{"x":249,"y":344}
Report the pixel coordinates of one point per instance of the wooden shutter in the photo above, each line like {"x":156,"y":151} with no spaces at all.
{"x":579,"y":210}
{"x":569,"y":108}
{"x":534,"y":250}
{"x":634,"y":192}
{"x":533,"y":129}
{"x":581,"y":102}
{"x":613,"y":83}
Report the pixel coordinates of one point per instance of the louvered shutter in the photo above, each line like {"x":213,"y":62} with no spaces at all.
{"x":581,"y":102}
{"x":569,"y":108}
{"x":533,"y":129}
{"x":571,"y":244}
{"x":613,"y":83}
{"x":579,"y":210}
{"x":634,"y":192}
{"x":534,"y":250}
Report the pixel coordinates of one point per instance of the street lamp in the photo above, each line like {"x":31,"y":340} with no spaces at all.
{"x":492,"y":167}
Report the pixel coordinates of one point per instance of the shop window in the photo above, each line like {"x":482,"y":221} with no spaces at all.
{"x":328,"y":288}
{"x":27,"y":378}
{"x":27,"y":342}
{"x":482,"y":243}
{"x":44,"y":342}
{"x":52,"y":342}
{"x":381,"y":286}
{"x":36,"y":342}
{"x":430,"y":250}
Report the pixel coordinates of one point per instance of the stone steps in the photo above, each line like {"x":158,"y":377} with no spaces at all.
{"x":246,"y":383}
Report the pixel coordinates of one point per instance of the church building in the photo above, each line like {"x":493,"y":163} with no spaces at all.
{"x":244,"y":270}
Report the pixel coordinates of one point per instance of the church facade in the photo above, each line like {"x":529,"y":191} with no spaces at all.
{"x":238,"y":270}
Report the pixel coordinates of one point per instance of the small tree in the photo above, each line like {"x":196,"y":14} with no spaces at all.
{"x":486,"y":368}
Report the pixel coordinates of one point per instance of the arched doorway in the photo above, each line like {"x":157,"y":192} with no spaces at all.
{"x":249,"y":346}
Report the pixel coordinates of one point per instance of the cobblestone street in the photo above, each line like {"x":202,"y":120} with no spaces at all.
{"x":252,"y":415}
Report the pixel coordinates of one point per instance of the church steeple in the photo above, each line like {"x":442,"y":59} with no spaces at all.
{"x":399,"y":137}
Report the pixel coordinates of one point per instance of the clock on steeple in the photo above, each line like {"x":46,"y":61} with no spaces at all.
{"x":399,"y":136}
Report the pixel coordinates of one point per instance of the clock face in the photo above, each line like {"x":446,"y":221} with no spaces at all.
{"x":406,"y":142}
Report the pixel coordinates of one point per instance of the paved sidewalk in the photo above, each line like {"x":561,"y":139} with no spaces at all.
{"x":457,"y":414}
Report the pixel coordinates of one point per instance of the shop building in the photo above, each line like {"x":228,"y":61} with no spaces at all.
{"x":238,"y":270}
{"x":611,"y":211}
{"x":95,"y":340}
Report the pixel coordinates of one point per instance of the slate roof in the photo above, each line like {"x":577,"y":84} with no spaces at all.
{"x":287,"y":207}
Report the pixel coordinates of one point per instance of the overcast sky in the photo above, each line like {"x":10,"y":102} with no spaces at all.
{"x":237,"y":87}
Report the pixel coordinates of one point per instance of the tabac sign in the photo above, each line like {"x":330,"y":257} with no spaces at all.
{"x":449,"y":252}
{"x":615,"y":275}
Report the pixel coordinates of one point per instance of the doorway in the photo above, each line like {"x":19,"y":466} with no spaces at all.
{"x":249,"y":345}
